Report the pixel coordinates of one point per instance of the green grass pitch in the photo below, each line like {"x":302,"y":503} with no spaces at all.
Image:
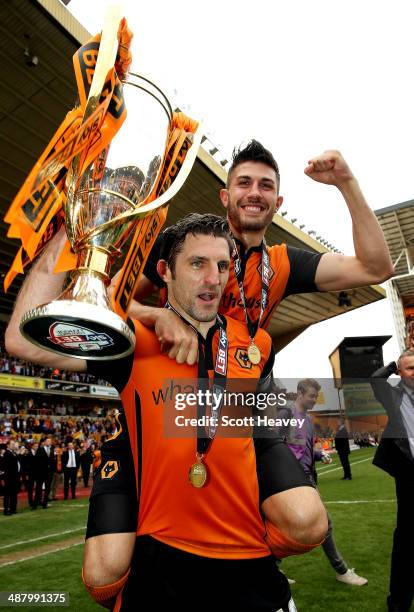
{"x":363,"y":512}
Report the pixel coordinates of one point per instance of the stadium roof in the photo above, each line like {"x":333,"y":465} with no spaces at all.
{"x":397,"y":223}
{"x":38,"y":88}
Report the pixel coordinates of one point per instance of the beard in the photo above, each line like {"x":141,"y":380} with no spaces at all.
{"x":241,"y":224}
{"x":201,"y":317}
{"x":187,"y":306}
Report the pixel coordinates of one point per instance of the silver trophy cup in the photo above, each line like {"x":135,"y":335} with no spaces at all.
{"x":80,"y":322}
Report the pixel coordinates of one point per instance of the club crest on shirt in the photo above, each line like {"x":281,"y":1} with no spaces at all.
{"x":271,"y":272}
{"x":109,"y":470}
{"x":242,"y":358}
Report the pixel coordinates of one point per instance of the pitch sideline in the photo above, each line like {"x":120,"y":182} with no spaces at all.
{"x":45,"y":537}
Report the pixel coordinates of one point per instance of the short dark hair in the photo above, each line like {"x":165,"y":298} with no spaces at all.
{"x":196,"y":224}
{"x":255,"y":152}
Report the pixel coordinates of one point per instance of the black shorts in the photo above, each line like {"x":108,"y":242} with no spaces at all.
{"x":166,"y":578}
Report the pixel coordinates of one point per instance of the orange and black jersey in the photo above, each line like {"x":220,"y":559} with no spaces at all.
{"x":221,"y":520}
{"x":292,"y":271}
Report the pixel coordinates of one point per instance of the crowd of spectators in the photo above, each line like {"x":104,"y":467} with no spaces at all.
{"x":26,"y":467}
{"x":22,"y":460}
{"x":13,"y":365}
{"x":365,"y":438}
{"x":43,"y":405}
{"x":325,"y":437}
{"x":28,"y":428}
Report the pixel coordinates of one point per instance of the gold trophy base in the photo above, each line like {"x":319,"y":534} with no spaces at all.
{"x":80,"y":322}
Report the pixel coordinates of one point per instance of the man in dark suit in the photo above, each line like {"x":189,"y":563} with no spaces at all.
{"x":395,"y":455}
{"x":29,"y":466}
{"x":71,"y":463}
{"x":342,"y":448}
{"x":44,"y":469}
{"x":10,"y":469}
{"x":86,"y":459}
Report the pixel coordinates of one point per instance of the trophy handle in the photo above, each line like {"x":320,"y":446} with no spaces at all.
{"x":143,"y":211}
{"x":105,"y":61}
{"x":106,"y":57}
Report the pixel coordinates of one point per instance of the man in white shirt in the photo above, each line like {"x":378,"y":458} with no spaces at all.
{"x":70,"y":461}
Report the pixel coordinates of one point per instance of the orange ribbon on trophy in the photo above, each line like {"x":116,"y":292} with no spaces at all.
{"x":84,"y":139}
{"x":148,"y":228}
{"x":34,"y":214}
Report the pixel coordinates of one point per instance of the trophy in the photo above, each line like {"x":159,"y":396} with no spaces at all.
{"x":107,"y":199}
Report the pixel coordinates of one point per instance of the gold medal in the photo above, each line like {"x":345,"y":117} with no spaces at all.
{"x":253,"y":354}
{"x":198,"y":473}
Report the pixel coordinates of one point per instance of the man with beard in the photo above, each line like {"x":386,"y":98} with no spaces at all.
{"x":260,"y":276}
{"x":202,"y":506}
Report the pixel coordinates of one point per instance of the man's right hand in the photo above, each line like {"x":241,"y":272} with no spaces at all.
{"x":176,"y":338}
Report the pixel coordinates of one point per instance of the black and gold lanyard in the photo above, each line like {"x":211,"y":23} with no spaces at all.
{"x":253,"y":352}
{"x":198,"y":471}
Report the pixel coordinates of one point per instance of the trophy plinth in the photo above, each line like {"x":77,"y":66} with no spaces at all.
{"x":80,"y":322}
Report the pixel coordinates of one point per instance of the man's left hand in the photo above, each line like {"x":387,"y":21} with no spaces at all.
{"x":329,"y":168}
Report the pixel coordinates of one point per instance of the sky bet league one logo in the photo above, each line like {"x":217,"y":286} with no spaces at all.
{"x":67,"y":335}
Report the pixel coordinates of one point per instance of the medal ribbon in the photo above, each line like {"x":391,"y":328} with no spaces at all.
{"x":219,"y":382}
{"x":252,"y":327}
